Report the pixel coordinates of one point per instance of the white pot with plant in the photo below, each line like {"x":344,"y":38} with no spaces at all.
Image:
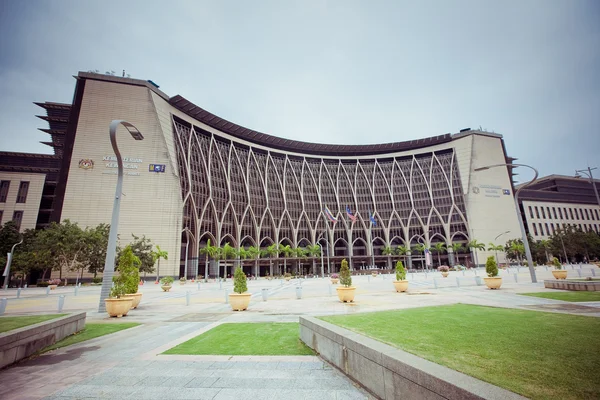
{"x":346,"y":291}
{"x":117,"y":305}
{"x":53,"y":283}
{"x":558,"y":272}
{"x":493,"y":281}
{"x":240,"y":298}
{"x":401,"y":284}
{"x":129,"y":275}
{"x":335,"y":278}
{"x":445,"y":270}
{"x":182,"y":281}
{"x":166,"y":283}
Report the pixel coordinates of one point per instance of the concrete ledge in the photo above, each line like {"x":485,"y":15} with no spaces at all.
{"x":23,"y":342}
{"x":388,"y":372}
{"x":588,"y":286}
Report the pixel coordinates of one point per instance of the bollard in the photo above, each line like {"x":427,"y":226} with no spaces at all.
{"x":579,"y":266}
{"x":435,"y":283}
{"x":19,"y":292}
{"x":76,"y":290}
{"x":187,"y":297}
{"x":478,"y":281}
{"x":79,"y":285}
{"x":220,"y":285}
{"x":3,"y":302}
{"x":463,"y":272}
{"x":413,"y":276}
{"x":25,"y":286}
{"x":593,"y":272}
{"x":329,"y":286}
{"x":546,"y":268}
{"x":61,"y":302}
{"x":475,"y":271}
{"x":226,"y":297}
{"x":368,"y":278}
{"x":298,"y":292}
{"x":47,"y":290}
{"x":425,"y":275}
{"x":265,"y":294}
{"x":198,"y":285}
{"x":579,"y":272}
{"x":457,"y":282}
{"x":516,"y":279}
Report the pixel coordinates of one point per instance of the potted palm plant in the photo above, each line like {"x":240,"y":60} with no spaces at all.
{"x":558,"y":271}
{"x":401,"y":284}
{"x":240,"y":299}
{"x":346,"y":291}
{"x":129,"y":274}
{"x":117,"y":305}
{"x":493,"y":281}
{"x":166,"y":283}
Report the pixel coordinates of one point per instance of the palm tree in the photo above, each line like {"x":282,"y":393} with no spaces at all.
{"x":438,"y":248}
{"x":457,"y":248}
{"x":495,"y":249}
{"x":300,"y":253}
{"x":545,"y":244}
{"x":209,"y":252}
{"x":271,"y":251}
{"x":387,"y":251}
{"x":254,"y":252}
{"x":474,"y":245}
{"x":313,"y":250}
{"x":286,"y":251}
{"x":158,"y":254}
{"x":420,"y":248}
{"x":242,"y":254}
{"x":227,"y":252}
{"x":518,"y":249}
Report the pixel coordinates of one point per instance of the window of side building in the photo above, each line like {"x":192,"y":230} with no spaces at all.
{"x":560,"y":213}
{"x":537,"y":213}
{"x":22,"y":194}
{"x":4,"y":185}
{"x":554,"y":212}
{"x":543,"y":213}
{"x":596,"y":212}
{"x":541,"y":229}
{"x":535,"y":231}
{"x":530,"y":212}
{"x":1,"y":213}
{"x":547,"y":229}
{"x":587,"y":216}
{"x":17,"y":218}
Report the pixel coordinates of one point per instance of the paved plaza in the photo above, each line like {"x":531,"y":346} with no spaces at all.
{"x":129,"y":364}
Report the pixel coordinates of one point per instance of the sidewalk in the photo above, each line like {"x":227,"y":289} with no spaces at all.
{"x":128,"y":364}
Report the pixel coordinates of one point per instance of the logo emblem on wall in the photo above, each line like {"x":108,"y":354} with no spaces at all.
{"x":506,"y":191}
{"x":156,"y":168}
{"x":476,"y":190}
{"x":86,"y":163}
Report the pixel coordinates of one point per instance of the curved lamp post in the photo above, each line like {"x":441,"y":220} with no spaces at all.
{"x":588,"y":173}
{"x":109,"y":263}
{"x":8,"y":262}
{"x":518,"y":209}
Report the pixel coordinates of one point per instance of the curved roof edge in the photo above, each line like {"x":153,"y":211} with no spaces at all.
{"x":297,"y":146}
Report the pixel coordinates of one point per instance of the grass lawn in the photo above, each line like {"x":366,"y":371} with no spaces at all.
{"x":536,"y":354}
{"x":90,"y":331}
{"x":567,"y":295}
{"x":256,"y":339}
{"x":10,"y":323}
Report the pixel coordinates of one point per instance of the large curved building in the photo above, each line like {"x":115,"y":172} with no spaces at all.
{"x":196,"y":177}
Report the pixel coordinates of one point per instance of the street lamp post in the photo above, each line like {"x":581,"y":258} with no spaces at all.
{"x":588,"y":173}
{"x":109,"y":263}
{"x":518,"y":209}
{"x":187,"y":242}
{"x":6,"y":273}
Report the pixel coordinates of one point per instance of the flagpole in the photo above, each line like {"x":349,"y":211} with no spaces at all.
{"x":371,"y":236}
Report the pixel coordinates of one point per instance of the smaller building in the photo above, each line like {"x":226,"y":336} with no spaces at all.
{"x":556,"y":201}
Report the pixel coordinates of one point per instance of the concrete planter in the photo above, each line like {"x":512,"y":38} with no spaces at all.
{"x":166,"y":288}
{"x":345,"y":294}
{"x":401,"y":286}
{"x":559,"y":273}
{"x":493,"y":283}
{"x":135,"y":297}
{"x":239,"y":301}
{"x":52,"y":287}
{"x":118,"y":307}
{"x":334,"y":281}
{"x":445,"y":274}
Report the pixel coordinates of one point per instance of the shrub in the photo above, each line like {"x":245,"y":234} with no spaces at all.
{"x":97,"y":280}
{"x":43,"y":284}
{"x":490,"y":267}
{"x":345,"y":278}
{"x":556,"y":263}
{"x":118,"y":289}
{"x":182,"y":279}
{"x":166,"y":280}
{"x":443,"y":268}
{"x":400,"y":271}
{"x":335,"y":276}
{"x":129,"y":272}
{"x":287,"y":275}
{"x":239,"y":281}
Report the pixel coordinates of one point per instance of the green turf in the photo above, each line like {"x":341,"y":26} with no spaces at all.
{"x":536,"y":354}
{"x":90,"y":331}
{"x":257,"y":339}
{"x":567,"y":295}
{"x":10,"y":323}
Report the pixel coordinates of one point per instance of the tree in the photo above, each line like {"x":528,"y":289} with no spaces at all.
{"x":24,"y":258}
{"x":420,"y":248}
{"x":545,"y":245}
{"x":300,"y":254}
{"x":474,"y":245}
{"x":271,"y":251}
{"x":226,"y":252}
{"x":313,"y":251}
{"x":456,"y":249}
{"x":95,"y":252}
{"x":157,"y":255}
{"x":516,"y":249}
{"x":253,"y":253}
{"x":9,"y":236}
{"x":239,"y":281}
{"x":129,"y":273}
{"x":387,"y":251}
{"x":439,"y":248}
{"x":345,"y":278}
{"x":285,"y":251}
{"x":495,"y":249}
{"x":490,"y":267}
{"x":67,"y":243}
{"x":142,"y":249}
{"x":400,"y":271}
{"x":211,"y":252}
{"x":242,"y":254}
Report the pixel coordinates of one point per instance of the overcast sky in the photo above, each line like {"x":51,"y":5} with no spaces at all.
{"x":347,"y":72}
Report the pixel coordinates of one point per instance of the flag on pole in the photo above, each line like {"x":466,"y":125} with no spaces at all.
{"x":349,"y":212}
{"x":329,"y":215}
{"x":372,"y":218}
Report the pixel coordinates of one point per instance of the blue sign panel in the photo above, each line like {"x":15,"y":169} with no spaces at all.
{"x":156,"y":168}
{"x":506,"y":191}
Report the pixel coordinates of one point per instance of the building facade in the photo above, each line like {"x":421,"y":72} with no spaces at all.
{"x":196,"y":177}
